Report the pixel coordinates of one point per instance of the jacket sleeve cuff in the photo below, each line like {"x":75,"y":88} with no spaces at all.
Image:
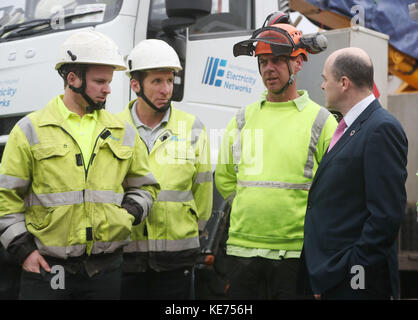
{"x":134,"y":209}
{"x":20,"y":248}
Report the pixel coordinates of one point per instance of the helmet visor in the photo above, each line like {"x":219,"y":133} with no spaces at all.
{"x":266,"y":40}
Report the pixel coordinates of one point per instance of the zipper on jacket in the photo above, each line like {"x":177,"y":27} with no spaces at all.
{"x":89,"y":230}
{"x":93,"y":155}
{"x":81,"y":152}
{"x":163,"y":138}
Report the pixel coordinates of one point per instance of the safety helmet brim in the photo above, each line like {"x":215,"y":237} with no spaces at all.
{"x":90,"y":47}
{"x":114,"y":65}
{"x":269,"y":40}
{"x":153,"y":54}
{"x":147,"y":69}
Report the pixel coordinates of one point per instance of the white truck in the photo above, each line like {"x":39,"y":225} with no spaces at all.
{"x":212,"y":85}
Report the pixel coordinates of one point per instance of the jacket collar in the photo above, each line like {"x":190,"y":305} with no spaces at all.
{"x":50,"y":115}
{"x":300,"y":102}
{"x":171,"y":121}
{"x":346,"y":137}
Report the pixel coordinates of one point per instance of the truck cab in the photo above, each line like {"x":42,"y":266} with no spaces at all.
{"x":213,"y":84}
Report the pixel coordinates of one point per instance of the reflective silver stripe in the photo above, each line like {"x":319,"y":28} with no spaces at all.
{"x":107,"y":247}
{"x":10,"y":182}
{"x":136,"y":246}
{"x":173,"y":245}
{"x":318,"y":125}
{"x":161,"y":245}
{"x":103,"y":196}
{"x":275,"y":184}
{"x":202,"y":224}
{"x":12,"y":232}
{"x":175,"y":196}
{"x":197,"y":124}
{"x":231,"y":197}
{"x":144,"y":198}
{"x":78,"y":250}
{"x":29,"y":130}
{"x":236,"y":146}
{"x":196,"y":131}
{"x":54,"y":199}
{"x":61,"y":252}
{"x":202,"y":177}
{"x":240,"y":117}
{"x":130,"y":133}
{"x":72,"y":197}
{"x":139,"y":181}
{"x":10,"y":219}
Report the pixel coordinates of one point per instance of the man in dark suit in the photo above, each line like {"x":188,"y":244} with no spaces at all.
{"x":357,"y":198}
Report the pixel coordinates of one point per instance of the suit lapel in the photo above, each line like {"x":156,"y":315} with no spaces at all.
{"x":348,"y":134}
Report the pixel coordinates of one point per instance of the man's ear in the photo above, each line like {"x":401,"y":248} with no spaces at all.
{"x":345,"y":82}
{"x":73,"y":79}
{"x":135,"y":85}
{"x":299,"y":63}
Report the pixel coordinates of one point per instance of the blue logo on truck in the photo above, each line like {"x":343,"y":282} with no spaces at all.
{"x":8,"y":89}
{"x":232,"y":77}
{"x":214,"y":71}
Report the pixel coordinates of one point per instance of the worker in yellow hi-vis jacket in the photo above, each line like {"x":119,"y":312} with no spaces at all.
{"x":163,"y":250}
{"x":73,"y":180}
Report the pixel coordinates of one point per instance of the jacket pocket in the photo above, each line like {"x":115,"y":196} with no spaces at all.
{"x":112,"y":160}
{"x":120,"y":152}
{"x":177,"y":173}
{"x":53,"y":165}
{"x":111,"y":223}
{"x":40,"y":218}
{"x":42,"y":152}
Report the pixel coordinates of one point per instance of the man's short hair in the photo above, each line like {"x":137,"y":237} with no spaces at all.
{"x":357,"y":69}
{"x":76,"y":68}
{"x":138,"y":75}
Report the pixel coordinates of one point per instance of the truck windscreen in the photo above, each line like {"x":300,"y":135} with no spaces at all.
{"x":25,"y":18}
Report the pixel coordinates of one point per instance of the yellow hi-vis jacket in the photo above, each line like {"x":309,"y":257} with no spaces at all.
{"x":71,"y":207}
{"x":269,"y":155}
{"x":180,"y":160}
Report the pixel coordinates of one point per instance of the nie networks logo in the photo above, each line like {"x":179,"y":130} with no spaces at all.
{"x":214,"y":71}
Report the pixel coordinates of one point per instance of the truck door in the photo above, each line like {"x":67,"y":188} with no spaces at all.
{"x":31,"y":32}
{"x":214,"y":83}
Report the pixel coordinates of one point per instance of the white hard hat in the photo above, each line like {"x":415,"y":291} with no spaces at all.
{"x":90,"y":47}
{"x":46,"y":8}
{"x":153,"y":54}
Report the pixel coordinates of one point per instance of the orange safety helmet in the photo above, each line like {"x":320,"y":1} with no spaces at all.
{"x":278,"y":39}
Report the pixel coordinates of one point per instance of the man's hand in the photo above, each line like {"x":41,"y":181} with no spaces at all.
{"x":34,"y":261}
{"x":317,"y":296}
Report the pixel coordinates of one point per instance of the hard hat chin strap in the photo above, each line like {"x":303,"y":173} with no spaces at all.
{"x":157,"y":110}
{"x":82,"y":90}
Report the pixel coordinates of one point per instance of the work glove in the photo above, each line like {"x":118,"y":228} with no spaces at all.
{"x":134,"y":208}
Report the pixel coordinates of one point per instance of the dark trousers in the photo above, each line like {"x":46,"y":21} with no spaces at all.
{"x":10,"y":272}
{"x":71,"y":282}
{"x":262,"y":279}
{"x":152,"y":285}
{"x":377,"y":286}
{"x":9,"y":282}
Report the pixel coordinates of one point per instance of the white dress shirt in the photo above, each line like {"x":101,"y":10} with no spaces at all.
{"x":355,"y":111}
